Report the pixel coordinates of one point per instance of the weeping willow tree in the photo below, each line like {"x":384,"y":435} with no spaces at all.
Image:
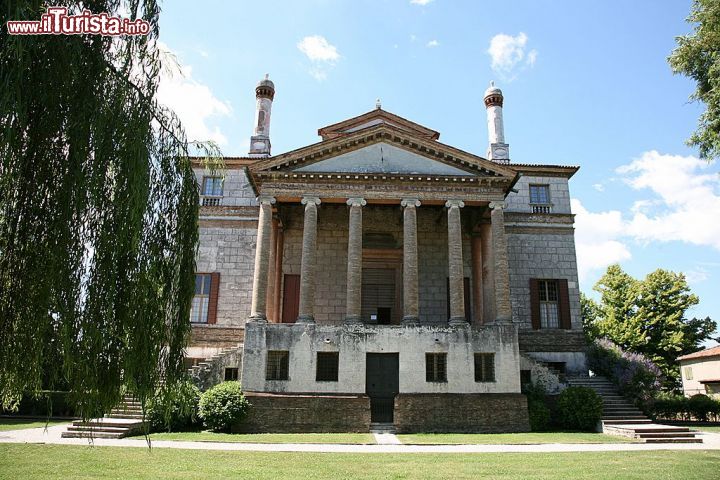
{"x":98,"y":214}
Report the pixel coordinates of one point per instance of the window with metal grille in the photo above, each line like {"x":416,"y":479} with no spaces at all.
{"x":277,"y":365}
{"x":436,"y":367}
{"x":201,"y":300}
{"x":539,"y":194}
{"x":548,"y":291}
{"x":484,"y":367}
{"x":231,"y":374}
{"x":327,"y":367}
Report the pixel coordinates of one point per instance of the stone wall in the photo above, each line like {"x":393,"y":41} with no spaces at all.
{"x":231,"y":252}
{"x":331,"y":276}
{"x":216,"y":336}
{"x":236,"y":187}
{"x":548,"y":255}
{"x":472,"y":413}
{"x":559,"y":194}
{"x":306,"y":413}
{"x":354,"y":342}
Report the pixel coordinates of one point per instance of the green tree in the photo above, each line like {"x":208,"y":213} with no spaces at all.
{"x":98,"y":213}
{"x":649,"y":317}
{"x":698,"y":56}
{"x":591,"y":313}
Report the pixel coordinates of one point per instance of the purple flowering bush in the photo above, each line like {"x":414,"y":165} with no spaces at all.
{"x":636,"y":376}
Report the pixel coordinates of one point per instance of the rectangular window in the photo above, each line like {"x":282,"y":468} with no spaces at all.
{"x":540,"y":194}
{"x":688,"y":373}
{"x":327,"y":367}
{"x":212,"y":186}
{"x":548,"y":290}
{"x":277,"y":365}
{"x":231,"y":374}
{"x":201,"y":300}
{"x":484,"y":367}
{"x":436,"y":367}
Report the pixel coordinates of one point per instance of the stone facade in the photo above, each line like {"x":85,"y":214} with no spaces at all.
{"x":455,"y":235}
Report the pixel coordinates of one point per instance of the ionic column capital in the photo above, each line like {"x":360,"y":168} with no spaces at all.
{"x":356,"y":202}
{"x":410,"y":202}
{"x":497,"y":205}
{"x":310,"y":199}
{"x":454,"y":203}
{"x":266,"y":200}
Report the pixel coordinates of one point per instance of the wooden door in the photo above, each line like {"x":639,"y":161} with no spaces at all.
{"x":382,"y":383}
{"x":291,"y":298}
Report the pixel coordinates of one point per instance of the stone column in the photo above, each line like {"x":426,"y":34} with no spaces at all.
{"x":455,"y":263}
{"x":354,"y":261}
{"x":477,"y":283}
{"x":411,"y":308}
{"x":262,"y":257}
{"x":270,"y":296}
{"x":306,"y":310}
{"x":503,"y":312}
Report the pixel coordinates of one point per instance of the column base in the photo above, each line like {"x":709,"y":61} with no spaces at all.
{"x":353,"y":319}
{"x":258,"y":317}
{"x":457,"y":321}
{"x":410,"y":320}
{"x":505,"y":320}
{"x":305,"y":319}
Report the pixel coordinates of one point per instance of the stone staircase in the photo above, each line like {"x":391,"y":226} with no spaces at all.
{"x":123,"y":421}
{"x":382,"y":428}
{"x":620,"y":417}
{"x":211,"y":371}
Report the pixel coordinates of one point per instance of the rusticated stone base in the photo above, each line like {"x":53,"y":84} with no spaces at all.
{"x":216,"y":336}
{"x":461,"y":412}
{"x":305,"y":413}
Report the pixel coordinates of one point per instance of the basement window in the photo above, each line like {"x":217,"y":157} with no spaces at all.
{"x":231,"y":374}
{"x":277,"y":365}
{"x":327,"y":367}
{"x":484,"y":367}
{"x":436,"y":367}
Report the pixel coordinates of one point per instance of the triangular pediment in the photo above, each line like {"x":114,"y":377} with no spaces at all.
{"x":382,"y":149}
{"x":372,"y":119}
{"x":383,"y":157}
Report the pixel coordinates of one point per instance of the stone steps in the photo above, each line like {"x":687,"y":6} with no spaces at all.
{"x":382,"y":428}
{"x":124,"y":420}
{"x":622,"y":418}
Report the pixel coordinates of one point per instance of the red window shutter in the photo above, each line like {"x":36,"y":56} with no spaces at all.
{"x":564,"y":304}
{"x":534,"y":304}
{"x":214,"y":289}
{"x":291,"y":298}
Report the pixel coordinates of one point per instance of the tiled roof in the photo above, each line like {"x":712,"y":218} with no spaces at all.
{"x":708,"y":352}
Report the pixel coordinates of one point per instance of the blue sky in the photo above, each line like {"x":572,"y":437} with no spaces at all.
{"x":585,"y":83}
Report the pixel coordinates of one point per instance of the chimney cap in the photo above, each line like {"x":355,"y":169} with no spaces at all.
{"x":266,"y":82}
{"x":492,"y":90}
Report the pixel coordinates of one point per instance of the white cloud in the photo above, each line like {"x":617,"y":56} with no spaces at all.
{"x":413,"y":37}
{"x":599,"y":187}
{"x":683,"y":205}
{"x":193,"y":102}
{"x":321,"y":53}
{"x":596,"y":239}
{"x":508,"y":54}
{"x":432,"y":43}
{"x":684,"y":198}
{"x":420,"y":2}
{"x":318,"y":49}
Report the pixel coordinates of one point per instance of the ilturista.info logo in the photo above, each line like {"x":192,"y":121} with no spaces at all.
{"x":56,"y":21}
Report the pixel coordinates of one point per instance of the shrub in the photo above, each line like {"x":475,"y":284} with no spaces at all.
{"x":670,"y":406}
{"x":538,"y":411}
{"x":702,"y":407}
{"x":579,"y":408}
{"x":223,"y":406}
{"x":175,"y":408}
{"x":635,"y":375}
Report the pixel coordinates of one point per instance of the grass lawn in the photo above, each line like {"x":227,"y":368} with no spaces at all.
{"x":63,"y":461}
{"x":23,"y":423}
{"x":348,"y":438}
{"x":509,"y":438}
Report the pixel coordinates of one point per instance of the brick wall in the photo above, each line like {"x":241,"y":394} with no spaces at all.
{"x":472,"y":413}
{"x":306,"y":413}
{"x":216,"y":336}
